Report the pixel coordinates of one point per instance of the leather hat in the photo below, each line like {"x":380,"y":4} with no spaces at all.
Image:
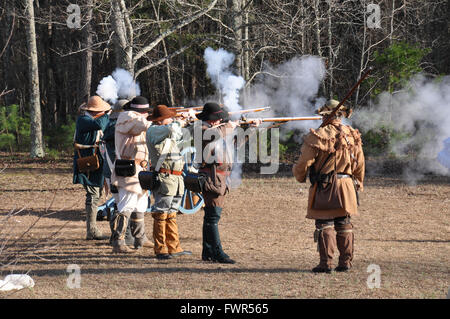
{"x":95,"y":104}
{"x":212,"y":112}
{"x":330,"y":105}
{"x":162,"y":112}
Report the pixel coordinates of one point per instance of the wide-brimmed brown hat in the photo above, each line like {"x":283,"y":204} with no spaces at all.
{"x":95,"y":104}
{"x":162,"y":112}
{"x":212,"y":112}
{"x":330,"y":105}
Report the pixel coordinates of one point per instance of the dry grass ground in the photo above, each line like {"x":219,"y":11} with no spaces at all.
{"x":403,"y":229}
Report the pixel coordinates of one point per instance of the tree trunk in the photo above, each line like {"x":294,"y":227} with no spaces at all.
{"x":330,"y":51}
{"x":123,"y":36}
{"x":236,"y":25}
{"x":6,"y":32}
{"x":37,"y":147}
{"x":86,"y":74}
{"x":317,"y":27}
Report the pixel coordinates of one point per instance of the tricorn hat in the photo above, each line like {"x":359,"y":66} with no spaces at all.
{"x":138,"y":104}
{"x":212,"y":112}
{"x":330,"y":105}
{"x":162,"y":112}
{"x":95,"y":104}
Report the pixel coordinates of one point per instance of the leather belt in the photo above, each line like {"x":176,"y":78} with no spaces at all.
{"x":169,"y":171}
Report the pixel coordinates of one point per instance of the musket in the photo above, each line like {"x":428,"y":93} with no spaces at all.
{"x":200,"y":108}
{"x":260,"y":109}
{"x":185,"y":109}
{"x":282,"y":119}
{"x":333,"y":113}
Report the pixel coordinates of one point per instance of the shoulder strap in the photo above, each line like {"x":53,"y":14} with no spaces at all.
{"x":163,"y":155}
{"x":83,"y":146}
{"x":323,"y":164}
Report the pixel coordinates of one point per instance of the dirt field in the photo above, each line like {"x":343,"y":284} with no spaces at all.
{"x":402,"y":229}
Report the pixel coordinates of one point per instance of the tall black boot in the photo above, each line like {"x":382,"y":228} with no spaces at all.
{"x":212,"y":246}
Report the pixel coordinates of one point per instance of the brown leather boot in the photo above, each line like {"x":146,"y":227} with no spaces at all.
{"x":326,"y":244}
{"x":345,"y":240}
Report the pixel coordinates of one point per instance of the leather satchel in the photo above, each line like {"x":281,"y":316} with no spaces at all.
{"x":149,"y":180}
{"x":327,"y":194}
{"x":195,"y":182}
{"x":88,"y":163}
{"x":124,"y":167}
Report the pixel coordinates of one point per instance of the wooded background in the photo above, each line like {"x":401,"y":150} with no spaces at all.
{"x":49,"y":66}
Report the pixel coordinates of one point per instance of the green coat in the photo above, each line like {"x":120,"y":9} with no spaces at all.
{"x":86,"y":134}
{"x":108,"y":138}
{"x":157,"y":137}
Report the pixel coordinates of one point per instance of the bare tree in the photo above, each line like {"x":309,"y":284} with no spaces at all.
{"x":37,"y":146}
{"x":86,"y":77}
{"x":124,"y":33}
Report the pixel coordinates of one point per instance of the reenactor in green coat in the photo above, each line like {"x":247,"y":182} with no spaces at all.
{"x":89,"y":129}
{"x":163,"y":140}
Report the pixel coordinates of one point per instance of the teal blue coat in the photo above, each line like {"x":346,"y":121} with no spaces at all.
{"x":86,"y":134}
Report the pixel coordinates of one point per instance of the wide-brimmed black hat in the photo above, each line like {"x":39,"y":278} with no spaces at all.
{"x":138,"y":104}
{"x":212,"y":112}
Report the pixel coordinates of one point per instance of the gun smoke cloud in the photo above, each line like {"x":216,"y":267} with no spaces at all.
{"x":420,"y":112}
{"x":219,"y":71}
{"x":290,"y":88}
{"x":119,"y":85}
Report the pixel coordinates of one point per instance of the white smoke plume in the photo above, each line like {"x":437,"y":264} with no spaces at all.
{"x":119,"y":85}
{"x":291,"y":89}
{"x":219,"y":71}
{"x":128,"y":87}
{"x":444,"y":155}
{"x":228,"y":85}
{"x":107,"y":89}
{"x":421,"y":114}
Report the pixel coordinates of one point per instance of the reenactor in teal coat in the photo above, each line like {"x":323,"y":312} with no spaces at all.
{"x":89,"y":128}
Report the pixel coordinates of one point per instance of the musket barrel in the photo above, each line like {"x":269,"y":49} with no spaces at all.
{"x":287,"y":119}
{"x":333,"y":113}
{"x":259,"y":109}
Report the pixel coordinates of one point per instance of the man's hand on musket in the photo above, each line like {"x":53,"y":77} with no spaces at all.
{"x":187,"y":116}
{"x":254,"y":122}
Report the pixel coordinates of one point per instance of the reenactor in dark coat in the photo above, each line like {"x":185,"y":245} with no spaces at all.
{"x":89,"y":129}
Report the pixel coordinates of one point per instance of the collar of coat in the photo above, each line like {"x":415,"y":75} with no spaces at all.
{"x":330,"y":138}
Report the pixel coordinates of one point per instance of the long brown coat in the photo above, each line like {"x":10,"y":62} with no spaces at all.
{"x":349,"y":160}
{"x":223,"y":163}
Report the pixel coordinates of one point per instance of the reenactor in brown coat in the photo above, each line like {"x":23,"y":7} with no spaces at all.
{"x":333,"y":148}
{"x":214,"y":124}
